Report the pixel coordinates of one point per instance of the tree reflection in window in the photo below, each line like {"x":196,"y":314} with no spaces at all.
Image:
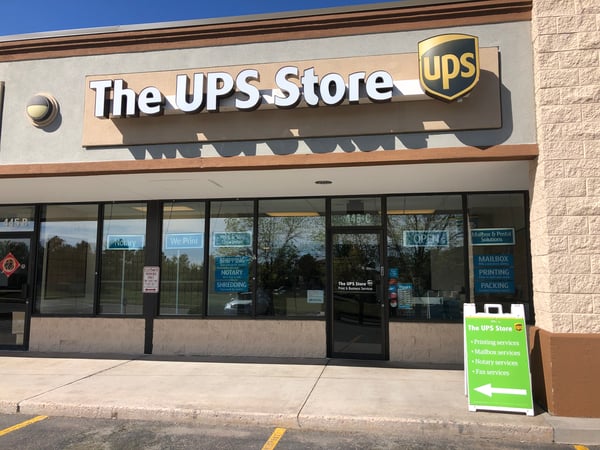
{"x":425,"y":252}
{"x":291,"y":257}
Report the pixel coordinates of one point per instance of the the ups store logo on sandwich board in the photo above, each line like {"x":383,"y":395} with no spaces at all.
{"x":449,"y":65}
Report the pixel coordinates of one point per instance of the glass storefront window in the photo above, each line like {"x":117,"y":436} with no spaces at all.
{"x":182,"y":267}
{"x":67,"y":259}
{"x":432,"y":264}
{"x":425,"y":250}
{"x":17,"y":218}
{"x":230,"y":267}
{"x":498,"y":253}
{"x":356,"y":212}
{"x":123,"y":242}
{"x":291,"y":257}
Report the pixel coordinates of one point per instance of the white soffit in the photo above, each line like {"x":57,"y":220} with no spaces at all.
{"x":387,"y":179}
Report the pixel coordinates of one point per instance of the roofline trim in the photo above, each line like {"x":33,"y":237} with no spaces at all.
{"x":508,"y":152}
{"x":222,"y":20}
{"x":432,"y":15}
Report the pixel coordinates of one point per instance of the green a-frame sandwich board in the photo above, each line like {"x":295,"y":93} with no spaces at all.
{"x":497,"y":374}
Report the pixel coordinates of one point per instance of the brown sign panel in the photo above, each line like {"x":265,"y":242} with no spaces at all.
{"x":408,"y":110}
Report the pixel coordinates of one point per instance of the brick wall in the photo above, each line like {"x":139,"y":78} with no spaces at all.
{"x":565,"y":193}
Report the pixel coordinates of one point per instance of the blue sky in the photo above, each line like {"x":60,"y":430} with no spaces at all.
{"x":33,"y":16}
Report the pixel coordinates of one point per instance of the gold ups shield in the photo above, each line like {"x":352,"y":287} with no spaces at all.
{"x":449,"y":65}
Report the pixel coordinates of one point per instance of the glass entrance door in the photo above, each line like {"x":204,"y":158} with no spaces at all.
{"x":358,"y":307}
{"x":14,"y":292}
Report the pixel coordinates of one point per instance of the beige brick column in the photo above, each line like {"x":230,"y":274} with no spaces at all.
{"x":565,"y":207}
{"x":565,"y":193}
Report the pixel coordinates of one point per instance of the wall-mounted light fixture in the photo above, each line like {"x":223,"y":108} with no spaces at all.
{"x":42,"y":109}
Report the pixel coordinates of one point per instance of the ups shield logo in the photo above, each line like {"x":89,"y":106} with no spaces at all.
{"x":449,"y":65}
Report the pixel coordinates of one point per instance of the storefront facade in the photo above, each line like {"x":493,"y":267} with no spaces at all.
{"x":321,"y":185}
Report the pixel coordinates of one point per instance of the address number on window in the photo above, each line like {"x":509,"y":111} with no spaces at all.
{"x":16,"y":222}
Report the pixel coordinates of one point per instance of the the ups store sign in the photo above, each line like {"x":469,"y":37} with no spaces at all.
{"x":382,"y":94}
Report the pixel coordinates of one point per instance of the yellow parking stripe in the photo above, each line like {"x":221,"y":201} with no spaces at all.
{"x":274,"y":439}
{"x":580,"y":447}
{"x":22,"y":425}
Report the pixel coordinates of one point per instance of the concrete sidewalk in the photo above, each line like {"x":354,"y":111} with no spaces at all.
{"x":315,"y":394}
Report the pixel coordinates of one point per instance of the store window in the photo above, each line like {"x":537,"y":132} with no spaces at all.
{"x":67,"y":259}
{"x":425,"y":251}
{"x":123,"y":242}
{"x":17,"y":218}
{"x":498,"y":253}
{"x":230,"y":288}
{"x":291,"y":257}
{"x":182,"y":266}
{"x":356,"y":212}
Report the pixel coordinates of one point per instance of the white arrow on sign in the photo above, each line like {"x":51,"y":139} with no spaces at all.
{"x":488,"y":390}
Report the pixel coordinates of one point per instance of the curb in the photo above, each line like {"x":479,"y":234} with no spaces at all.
{"x":569,"y":430}
{"x":416,"y":426}
{"x":429,"y":427}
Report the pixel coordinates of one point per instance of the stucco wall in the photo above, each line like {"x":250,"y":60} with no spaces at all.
{"x":273,"y":338}
{"x":565,"y":192}
{"x":87,"y":335}
{"x":62,"y":142}
{"x":409,"y":342}
{"x":434,"y":343}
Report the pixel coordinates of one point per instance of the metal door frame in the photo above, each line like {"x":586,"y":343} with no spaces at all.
{"x":376,"y":230}
{"x":28,"y":301}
